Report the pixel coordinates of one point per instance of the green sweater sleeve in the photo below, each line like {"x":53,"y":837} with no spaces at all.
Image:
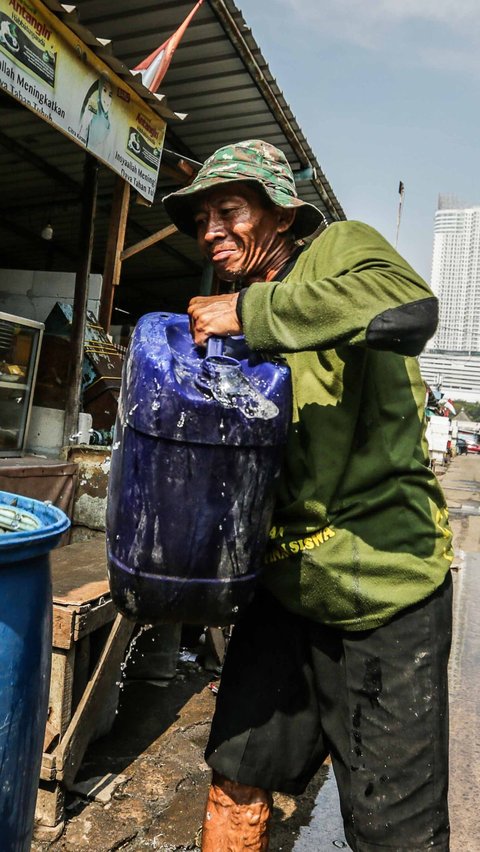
{"x":349,"y":287}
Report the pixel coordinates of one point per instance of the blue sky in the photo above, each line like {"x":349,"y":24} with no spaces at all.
{"x":384,"y":90}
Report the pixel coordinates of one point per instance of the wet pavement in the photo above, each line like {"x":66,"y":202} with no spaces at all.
{"x":462,"y":488}
{"x":324,"y":832}
{"x":156,"y":745}
{"x":465,"y":709}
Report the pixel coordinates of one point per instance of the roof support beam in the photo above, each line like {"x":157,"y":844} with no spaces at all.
{"x":113,"y":254}
{"x":87,"y":227}
{"x":148,"y":241}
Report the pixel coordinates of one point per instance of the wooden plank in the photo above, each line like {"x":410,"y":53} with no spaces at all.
{"x":76,"y":555}
{"x":49,"y":810}
{"x":71,"y":623}
{"x":95,"y":617}
{"x":77,"y":566}
{"x":63,"y":626}
{"x":82,"y":669}
{"x":48,"y":769}
{"x":50,"y":736}
{"x":71,"y":750}
{"x":149,"y":241}
{"x":84,"y":594}
{"x":60,"y":696}
{"x":115,"y":242}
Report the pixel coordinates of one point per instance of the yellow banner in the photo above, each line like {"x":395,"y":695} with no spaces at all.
{"x":46,"y":67}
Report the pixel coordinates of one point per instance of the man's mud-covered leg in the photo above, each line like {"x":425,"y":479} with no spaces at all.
{"x":237,"y":817}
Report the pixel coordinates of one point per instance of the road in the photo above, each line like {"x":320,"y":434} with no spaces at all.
{"x":461,"y":484}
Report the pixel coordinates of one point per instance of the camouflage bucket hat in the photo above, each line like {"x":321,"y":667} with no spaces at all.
{"x":252,"y":160}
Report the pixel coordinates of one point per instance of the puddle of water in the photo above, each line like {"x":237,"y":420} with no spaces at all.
{"x":325,"y":831}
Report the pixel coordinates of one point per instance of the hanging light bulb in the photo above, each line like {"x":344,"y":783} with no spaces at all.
{"x":47,"y":232}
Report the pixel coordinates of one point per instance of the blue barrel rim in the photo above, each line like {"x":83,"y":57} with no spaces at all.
{"x":53,"y":520}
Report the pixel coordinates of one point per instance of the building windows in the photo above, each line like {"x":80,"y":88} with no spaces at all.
{"x":456,"y":278}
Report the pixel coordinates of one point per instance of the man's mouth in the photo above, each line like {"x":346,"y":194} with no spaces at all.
{"x":222,"y":254}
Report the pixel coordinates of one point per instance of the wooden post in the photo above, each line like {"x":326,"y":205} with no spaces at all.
{"x":106,"y":673}
{"x":113,"y":256}
{"x":87,"y":225}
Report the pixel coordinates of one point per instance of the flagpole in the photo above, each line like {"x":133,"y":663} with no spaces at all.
{"x":401,"y":192}
{"x":154,"y":67}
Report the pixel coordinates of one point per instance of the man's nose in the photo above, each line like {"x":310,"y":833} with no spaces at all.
{"x":214,"y":227}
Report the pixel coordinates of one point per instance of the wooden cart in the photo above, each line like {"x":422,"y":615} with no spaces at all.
{"x":89,"y":644}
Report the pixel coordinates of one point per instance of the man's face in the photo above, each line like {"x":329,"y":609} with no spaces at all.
{"x":239,"y":232}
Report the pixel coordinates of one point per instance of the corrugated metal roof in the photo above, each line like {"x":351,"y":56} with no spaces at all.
{"x":218,"y":76}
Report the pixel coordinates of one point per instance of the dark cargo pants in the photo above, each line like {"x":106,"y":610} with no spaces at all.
{"x":293,"y":691}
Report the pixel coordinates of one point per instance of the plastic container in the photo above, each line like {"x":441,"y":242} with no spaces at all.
{"x":29,"y":529}
{"x":196,"y":453}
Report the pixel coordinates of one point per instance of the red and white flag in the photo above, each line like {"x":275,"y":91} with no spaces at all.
{"x":155,"y":66}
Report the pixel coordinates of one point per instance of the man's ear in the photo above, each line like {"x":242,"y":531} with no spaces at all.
{"x":286,"y":218}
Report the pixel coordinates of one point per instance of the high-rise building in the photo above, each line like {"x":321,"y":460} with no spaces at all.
{"x":451,"y":360}
{"x":456,"y":276}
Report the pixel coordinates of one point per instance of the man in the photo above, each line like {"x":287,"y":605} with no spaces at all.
{"x":344,"y":649}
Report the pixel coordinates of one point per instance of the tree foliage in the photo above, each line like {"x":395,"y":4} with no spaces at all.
{"x":472,"y":408}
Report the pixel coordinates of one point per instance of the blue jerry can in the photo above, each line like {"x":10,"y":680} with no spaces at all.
{"x":196,"y":454}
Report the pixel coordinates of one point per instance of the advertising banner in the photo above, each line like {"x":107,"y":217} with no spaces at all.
{"x":46,"y":67}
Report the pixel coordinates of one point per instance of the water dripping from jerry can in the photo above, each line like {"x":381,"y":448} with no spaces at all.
{"x":123,"y":666}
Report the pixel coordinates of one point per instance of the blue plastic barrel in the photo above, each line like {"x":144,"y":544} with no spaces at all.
{"x":196,"y":455}
{"x":29,"y":529}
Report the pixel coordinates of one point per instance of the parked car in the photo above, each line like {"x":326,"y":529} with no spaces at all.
{"x":462,"y":447}
{"x":474,"y":448}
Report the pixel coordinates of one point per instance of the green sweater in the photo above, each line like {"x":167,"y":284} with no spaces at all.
{"x":360,"y":529}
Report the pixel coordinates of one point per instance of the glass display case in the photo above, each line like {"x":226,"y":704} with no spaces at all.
{"x":20,"y":341}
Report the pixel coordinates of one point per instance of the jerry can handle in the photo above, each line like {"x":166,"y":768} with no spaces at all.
{"x":214,"y":346}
